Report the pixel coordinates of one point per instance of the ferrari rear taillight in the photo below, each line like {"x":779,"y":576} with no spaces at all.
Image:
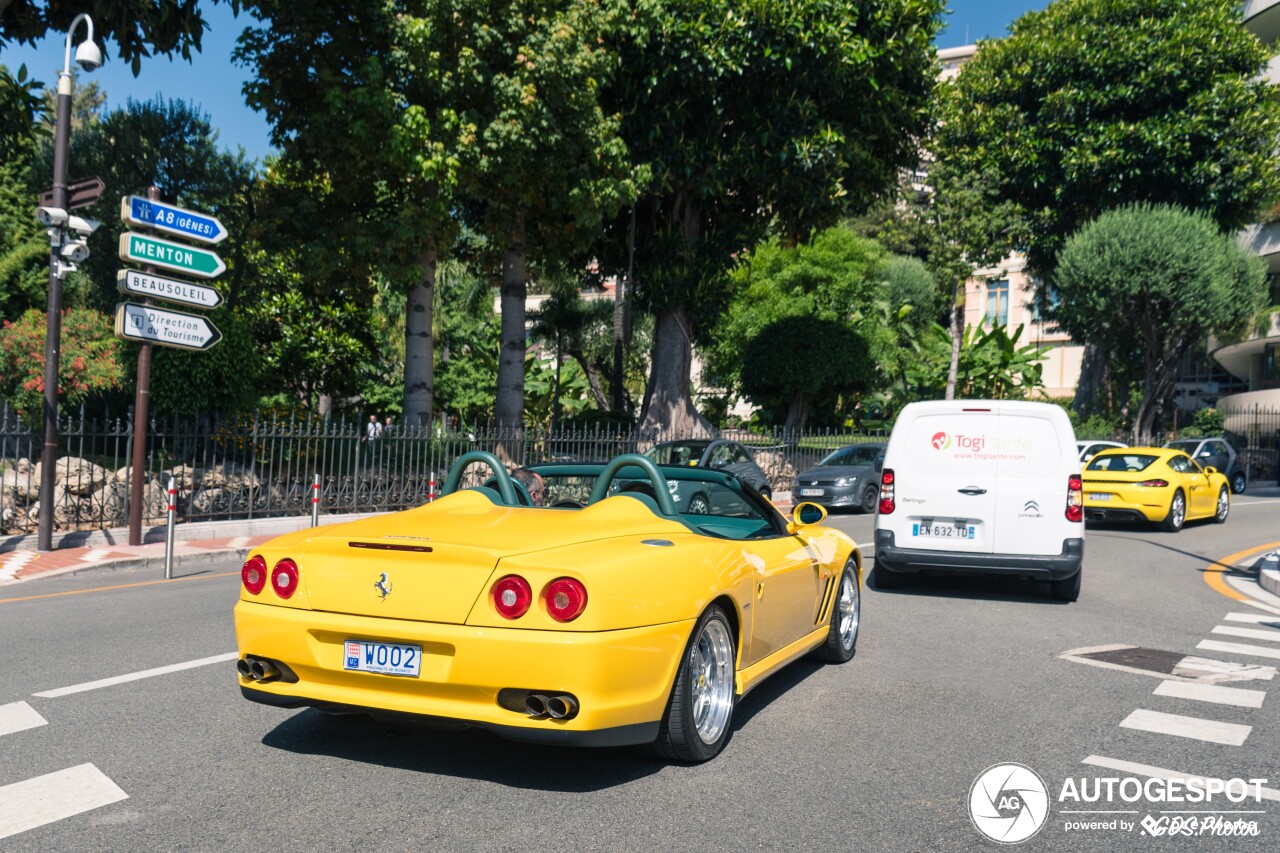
{"x":253,"y":574}
{"x":565,"y":598}
{"x":284,"y":578}
{"x":887,"y":490}
{"x":1155,"y":484}
{"x":512,"y":596}
{"x":1075,"y":498}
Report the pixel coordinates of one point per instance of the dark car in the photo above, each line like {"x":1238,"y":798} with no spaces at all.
{"x":849,"y":476}
{"x":720,"y":454}
{"x":1218,"y":453}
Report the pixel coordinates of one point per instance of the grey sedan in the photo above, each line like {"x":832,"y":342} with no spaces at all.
{"x":849,"y":476}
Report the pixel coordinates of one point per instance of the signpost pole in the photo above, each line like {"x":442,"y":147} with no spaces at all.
{"x":141,"y":405}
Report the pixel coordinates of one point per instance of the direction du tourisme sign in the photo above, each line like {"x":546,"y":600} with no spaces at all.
{"x":147,"y":323}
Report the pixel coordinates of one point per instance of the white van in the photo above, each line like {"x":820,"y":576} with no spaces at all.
{"x":983,"y":487}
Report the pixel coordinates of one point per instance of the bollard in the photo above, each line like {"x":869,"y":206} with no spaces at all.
{"x":315,"y":501}
{"x":168,"y":542}
{"x":431,"y":488}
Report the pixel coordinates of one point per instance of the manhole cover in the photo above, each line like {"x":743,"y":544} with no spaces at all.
{"x":1159,"y":663}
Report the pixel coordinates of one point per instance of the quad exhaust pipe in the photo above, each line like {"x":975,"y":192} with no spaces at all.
{"x":262,"y":670}
{"x":560,"y":706}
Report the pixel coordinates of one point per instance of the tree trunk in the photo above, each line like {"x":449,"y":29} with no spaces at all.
{"x":669,"y":399}
{"x":957,"y":335}
{"x":797,"y":412}
{"x":593,"y":380}
{"x":419,"y":345}
{"x":509,"y":402}
{"x":1095,"y":377}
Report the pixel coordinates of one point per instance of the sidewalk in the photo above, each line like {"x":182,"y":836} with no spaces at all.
{"x":196,"y":544}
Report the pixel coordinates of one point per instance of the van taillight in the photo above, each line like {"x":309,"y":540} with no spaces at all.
{"x":1075,"y":498}
{"x":886,"y":491}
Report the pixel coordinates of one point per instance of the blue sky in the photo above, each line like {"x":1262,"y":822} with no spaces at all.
{"x":213,"y":83}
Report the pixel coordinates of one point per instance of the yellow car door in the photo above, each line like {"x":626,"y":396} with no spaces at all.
{"x":789,"y":584}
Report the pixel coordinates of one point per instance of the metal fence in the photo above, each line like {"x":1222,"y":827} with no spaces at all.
{"x":264,"y":464}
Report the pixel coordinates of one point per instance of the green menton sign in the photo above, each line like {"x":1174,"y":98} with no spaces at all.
{"x":142,"y":249}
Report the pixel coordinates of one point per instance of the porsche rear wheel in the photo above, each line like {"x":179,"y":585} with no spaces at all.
{"x":1224,"y":506}
{"x":696,"y":725}
{"x":846,"y":618}
{"x":1177,"y":513}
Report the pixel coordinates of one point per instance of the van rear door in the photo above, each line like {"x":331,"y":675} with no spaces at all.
{"x":1033,"y":464}
{"x":945,"y":485}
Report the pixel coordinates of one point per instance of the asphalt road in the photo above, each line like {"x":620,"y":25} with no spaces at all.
{"x":951,"y":676}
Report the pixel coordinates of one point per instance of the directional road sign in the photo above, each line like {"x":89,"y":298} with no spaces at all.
{"x":81,"y":192}
{"x":153,"y":325}
{"x":136,"y":210}
{"x":200,"y":263}
{"x":168,"y":289}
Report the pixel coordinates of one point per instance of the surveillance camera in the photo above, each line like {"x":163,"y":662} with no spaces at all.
{"x":51,"y":215}
{"x":88,"y":56}
{"x":83,"y":227}
{"x":75,"y":251}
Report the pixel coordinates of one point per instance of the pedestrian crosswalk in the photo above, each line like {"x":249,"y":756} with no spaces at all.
{"x":1202,"y":726}
{"x":54,"y":796}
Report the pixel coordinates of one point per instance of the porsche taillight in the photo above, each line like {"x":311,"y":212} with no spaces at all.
{"x":284,"y":578}
{"x":887,"y":491}
{"x":253,"y":574}
{"x":1075,"y":498}
{"x":565,"y":599}
{"x":1155,"y":484}
{"x":512,"y":596}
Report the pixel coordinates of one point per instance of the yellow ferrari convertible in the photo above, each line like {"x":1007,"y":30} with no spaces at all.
{"x":606,"y":617}
{"x":1155,"y":484}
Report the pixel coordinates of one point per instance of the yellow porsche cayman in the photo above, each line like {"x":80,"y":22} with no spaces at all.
{"x":1155,"y":484}
{"x":603,"y":618}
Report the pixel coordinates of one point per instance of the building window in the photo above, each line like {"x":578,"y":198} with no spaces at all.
{"x":1271,"y":363}
{"x":1042,"y":304}
{"x":998,"y":302}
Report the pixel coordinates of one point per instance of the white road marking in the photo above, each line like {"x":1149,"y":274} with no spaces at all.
{"x":13,"y":564}
{"x":1217,"y":671}
{"x":1161,"y":773}
{"x":1248,"y":633}
{"x":96,"y":555}
{"x":1229,"y":734}
{"x":1212,"y":693}
{"x":1238,"y":648}
{"x":44,"y":799}
{"x":135,"y":676}
{"x":18,"y":717}
{"x":1255,"y":618}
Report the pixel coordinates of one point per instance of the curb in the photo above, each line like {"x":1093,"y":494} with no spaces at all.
{"x":1269,"y":579}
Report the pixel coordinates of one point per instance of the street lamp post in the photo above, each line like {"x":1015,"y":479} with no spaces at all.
{"x":89,"y":57}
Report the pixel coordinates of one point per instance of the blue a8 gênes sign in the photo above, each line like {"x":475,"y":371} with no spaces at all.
{"x":136,"y":210}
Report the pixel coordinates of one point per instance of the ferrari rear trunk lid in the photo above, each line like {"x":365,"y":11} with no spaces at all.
{"x":432,"y":563}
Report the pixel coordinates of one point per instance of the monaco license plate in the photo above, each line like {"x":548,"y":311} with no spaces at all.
{"x":810,"y":493}
{"x":1099,"y":496}
{"x":944,"y":530}
{"x":384,"y":658}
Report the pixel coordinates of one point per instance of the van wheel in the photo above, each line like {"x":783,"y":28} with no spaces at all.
{"x":870,"y":500}
{"x":1177,"y":513}
{"x":885,"y":579}
{"x":1067,"y":589}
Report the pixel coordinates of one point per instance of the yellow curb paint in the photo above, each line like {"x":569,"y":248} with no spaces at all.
{"x":111,"y":588}
{"x":1213,"y":572}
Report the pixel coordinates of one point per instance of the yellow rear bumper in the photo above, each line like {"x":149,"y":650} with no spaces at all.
{"x":621,"y":679}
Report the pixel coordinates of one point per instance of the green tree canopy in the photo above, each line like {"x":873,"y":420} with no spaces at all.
{"x":1091,"y":104}
{"x":1149,"y":282}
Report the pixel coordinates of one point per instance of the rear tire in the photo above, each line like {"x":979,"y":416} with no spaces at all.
{"x":1223,"y":508}
{"x":1067,"y":589}
{"x":846,"y":619}
{"x":699,"y":716}
{"x":699,"y":505}
{"x":870,"y":500}
{"x":1177,"y":513}
{"x":1239,"y":482}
